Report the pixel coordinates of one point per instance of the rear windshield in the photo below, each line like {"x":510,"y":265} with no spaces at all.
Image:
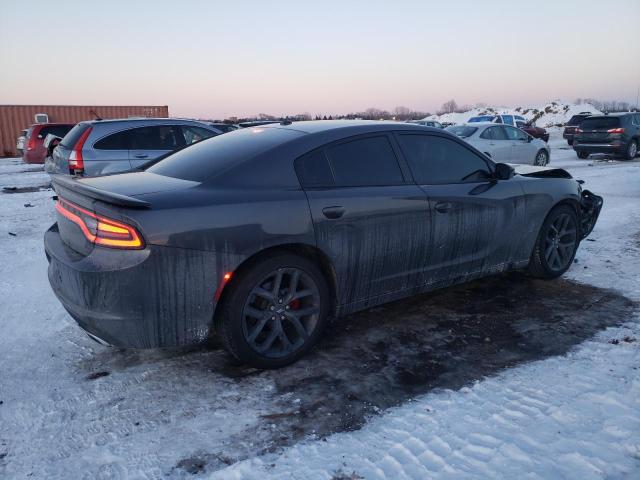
{"x":596,"y":123}
{"x":461,"y":131}
{"x":204,"y":159}
{"x":576,"y":120}
{"x":484,"y":118}
{"x":71,"y":138}
{"x":57,"y":130}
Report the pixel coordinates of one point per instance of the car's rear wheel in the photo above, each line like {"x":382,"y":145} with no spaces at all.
{"x":275,"y":312}
{"x":570,"y":142}
{"x":582,"y":154}
{"x":542,"y":158}
{"x":632,"y":150}
{"x":556,"y":244}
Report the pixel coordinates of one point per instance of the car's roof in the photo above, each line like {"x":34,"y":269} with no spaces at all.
{"x":52,"y":123}
{"x":356,"y":126}
{"x":614,"y":114}
{"x":145,"y":120}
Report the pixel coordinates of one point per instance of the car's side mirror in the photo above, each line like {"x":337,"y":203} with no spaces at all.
{"x":504,"y":171}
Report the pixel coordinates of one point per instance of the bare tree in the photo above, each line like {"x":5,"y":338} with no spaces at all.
{"x":449,"y":107}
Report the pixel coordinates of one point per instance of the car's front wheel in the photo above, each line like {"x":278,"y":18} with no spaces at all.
{"x":542,"y":158}
{"x":556,"y":244}
{"x":582,"y":154}
{"x":275,"y":311}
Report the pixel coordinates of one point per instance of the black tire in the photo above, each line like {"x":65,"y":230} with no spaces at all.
{"x":570,"y":142}
{"x":273,"y":320}
{"x":631,"y":150}
{"x":541,"y":159}
{"x":582,"y":154}
{"x":554,"y":250}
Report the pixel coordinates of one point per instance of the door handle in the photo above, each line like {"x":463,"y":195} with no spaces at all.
{"x":443,"y":207}
{"x":333,"y":212}
{"x":141,"y":155}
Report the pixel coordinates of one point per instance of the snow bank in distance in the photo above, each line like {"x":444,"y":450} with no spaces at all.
{"x":552,"y":114}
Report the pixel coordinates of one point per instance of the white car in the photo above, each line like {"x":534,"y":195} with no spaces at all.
{"x":20,"y":142}
{"x":505,"y":119}
{"x":504,"y":143}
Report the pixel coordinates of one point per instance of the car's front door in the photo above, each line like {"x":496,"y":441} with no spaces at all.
{"x":522,"y":151}
{"x":493,"y":140}
{"x":477,"y":221}
{"x":148,"y":143}
{"x":371,"y":221}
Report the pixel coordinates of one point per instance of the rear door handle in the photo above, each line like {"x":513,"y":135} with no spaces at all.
{"x":141,"y":155}
{"x":443,"y":207}
{"x":333,"y":212}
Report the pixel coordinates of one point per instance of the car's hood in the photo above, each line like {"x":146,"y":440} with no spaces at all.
{"x":540,"y":172}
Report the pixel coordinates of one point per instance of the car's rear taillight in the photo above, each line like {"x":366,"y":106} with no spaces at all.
{"x":31,"y":144}
{"x":577,"y":130}
{"x":100,"y":230}
{"x":615,"y":130}
{"x":76,"y":161}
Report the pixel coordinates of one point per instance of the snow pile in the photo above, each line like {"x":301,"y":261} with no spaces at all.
{"x":552,"y":114}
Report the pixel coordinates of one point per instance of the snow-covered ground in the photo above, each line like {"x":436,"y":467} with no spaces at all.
{"x":497,"y":405}
{"x":548,"y":115}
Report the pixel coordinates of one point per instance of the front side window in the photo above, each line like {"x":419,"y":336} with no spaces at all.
{"x":437,"y":160}
{"x":193,"y":134}
{"x":515,"y":134}
{"x":494,"y":133}
{"x":364,"y":162}
{"x":160,"y":137}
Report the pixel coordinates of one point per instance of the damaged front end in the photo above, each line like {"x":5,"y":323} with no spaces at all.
{"x":590,"y":206}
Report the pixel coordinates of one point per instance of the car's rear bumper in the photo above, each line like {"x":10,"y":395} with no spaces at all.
{"x":156,"y":297}
{"x":598,"y":147}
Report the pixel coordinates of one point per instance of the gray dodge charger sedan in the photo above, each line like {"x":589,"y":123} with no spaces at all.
{"x":260,"y":235}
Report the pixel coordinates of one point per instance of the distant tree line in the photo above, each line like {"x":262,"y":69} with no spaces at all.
{"x":608,"y":106}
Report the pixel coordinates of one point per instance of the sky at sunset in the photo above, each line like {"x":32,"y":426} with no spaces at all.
{"x":214,"y":59}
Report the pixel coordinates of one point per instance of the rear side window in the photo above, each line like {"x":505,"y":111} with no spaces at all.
{"x":599,"y":123}
{"x":365,"y":162}
{"x":494,"y":133}
{"x":461,"y":130}
{"x":210,"y":157}
{"x":71,"y":138}
{"x":115,"y":141}
{"x":438,"y":160}
{"x":313,"y":170}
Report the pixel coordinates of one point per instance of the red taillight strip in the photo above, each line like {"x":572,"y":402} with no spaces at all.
{"x":109,"y":233}
{"x":75,"y":157}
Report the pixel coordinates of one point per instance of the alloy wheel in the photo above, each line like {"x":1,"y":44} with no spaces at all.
{"x":281,"y":312}
{"x":541,"y":159}
{"x":560,"y":242}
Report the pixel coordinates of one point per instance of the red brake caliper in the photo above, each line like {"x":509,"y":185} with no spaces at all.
{"x":294,"y":304}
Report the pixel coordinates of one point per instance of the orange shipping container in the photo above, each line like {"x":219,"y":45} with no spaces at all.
{"x":15,"y":118}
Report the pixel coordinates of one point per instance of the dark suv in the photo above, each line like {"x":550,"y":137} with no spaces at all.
{"x":617,"y":133}
{"x":572,"y":125}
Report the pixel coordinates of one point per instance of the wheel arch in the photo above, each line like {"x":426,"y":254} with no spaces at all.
{"x":310,"y":252}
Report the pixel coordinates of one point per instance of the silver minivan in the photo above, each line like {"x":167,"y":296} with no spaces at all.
{"x":100,"y":147}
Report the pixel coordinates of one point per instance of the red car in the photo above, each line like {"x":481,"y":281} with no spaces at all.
{"x":34,"y":151}
{"x":535,"y":132}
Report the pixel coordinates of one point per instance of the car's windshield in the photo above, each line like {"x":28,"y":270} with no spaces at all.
{"x":461,"y":130}
{"x":205,"y":159}
{"x":482,"y":118}
{"x":71,"y":138}
{"x":576,"y":120}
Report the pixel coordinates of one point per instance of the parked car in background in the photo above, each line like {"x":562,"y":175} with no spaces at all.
{"x":260,"y":235}
{"x":256,"y":123}
{"x":617,"y":133}
{"x":504,"y":143}
{"x":505,"y":119}
{"x":51,"y":141}
{"x":20,"y":141}
{"x":35,"y":151}
{"x":223,"y":127}
{"x":426,"y":123}
{"x":572,"y":125}
{"x":98,"y":147}
{"x":531,"y":129}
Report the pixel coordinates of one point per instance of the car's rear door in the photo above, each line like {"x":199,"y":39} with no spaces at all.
{"x":369,"y":218}
{"x":148,"y":143}
{"x":477,"y":222}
